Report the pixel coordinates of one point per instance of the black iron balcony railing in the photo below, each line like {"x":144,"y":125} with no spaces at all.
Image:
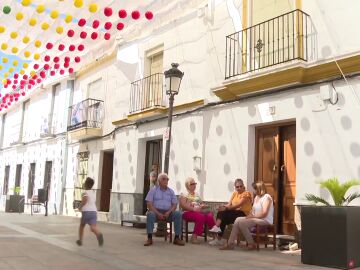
{"x":147,"y":93}
{"x":87,"y":113}
{"x":275,"y":41}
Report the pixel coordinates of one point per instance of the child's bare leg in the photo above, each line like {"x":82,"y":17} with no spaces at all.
{"x":94,"y":229}
{"x":81,"y":234}
{"x":98,"y":234}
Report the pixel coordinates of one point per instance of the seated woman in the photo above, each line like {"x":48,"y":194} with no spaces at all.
{"x":195,"y":210}
{"x":262,"y":214}
{"x":238,"y":206}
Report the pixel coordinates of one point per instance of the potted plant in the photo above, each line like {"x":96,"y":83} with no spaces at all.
{"x":330,"y":233}
{"x":15,"y":202}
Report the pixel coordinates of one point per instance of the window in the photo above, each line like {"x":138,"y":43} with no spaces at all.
{"x":3,"y":120}
{"x":95,"y":90}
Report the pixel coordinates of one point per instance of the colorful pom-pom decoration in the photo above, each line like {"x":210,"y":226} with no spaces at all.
{"x":94,"y":35}
{"x":95,"y":24}
{"x":93,"y":8}
{"x":107,"y":36}
{"x":70,"y":33}
{"x":120,"y":26}
{"x":149,"y":15}
{"x":108,"y":11}
{"x":6,"y":9}
{"x":122,"y":13}
{"x":81,"y":47}
{"x":135,"y":14}
{"x":81,"y":22}
{"x":108,"y":25}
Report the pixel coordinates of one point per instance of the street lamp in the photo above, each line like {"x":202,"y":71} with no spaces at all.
{"x":173,"y":78}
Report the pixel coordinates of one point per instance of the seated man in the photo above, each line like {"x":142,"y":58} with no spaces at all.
{"x":162,"y":202}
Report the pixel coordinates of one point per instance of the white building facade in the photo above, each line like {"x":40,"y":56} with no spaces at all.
{"x":269,"y":93}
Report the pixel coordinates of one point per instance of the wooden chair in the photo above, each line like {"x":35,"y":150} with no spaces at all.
{"x":261,"y":235}
{"x":170,"y":232}
{"x":187,"y":232}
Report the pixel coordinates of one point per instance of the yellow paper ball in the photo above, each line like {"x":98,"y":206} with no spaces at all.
{"x":26,"y":2}
{"x":54,"y":14}
{"x":22,"y":72}
{"x":32,"y":73}
{"x":4,"y":81}
{"x":2,"y":29}
{"x":59,"y":30}
{"x":36,"y":56}
{"x":32,"y":22}
{"x":93,"y":8}
{"x":78,"y":3}
{"x":45,"y":26}
{"x":15,"y":63}
{"x":68,"y":18}
{"x":19,"y":16}
{"x":11,"y":69}
{"x":25,"y":65}
{"x":14,"y":50}
{"x":6,"y":74}
{"x":4,"y":60}
{"x":13,"y":35}
{"x":27,"y":55}
{"x":26,"y":39}
{"x":37,"y":43}
{"x":4,"y":46}
{"x":0,"y":67}
{"x":40,"y":8}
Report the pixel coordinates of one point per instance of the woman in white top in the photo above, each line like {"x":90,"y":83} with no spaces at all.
{"x":89,"y":212}
{"x":262,"y":214}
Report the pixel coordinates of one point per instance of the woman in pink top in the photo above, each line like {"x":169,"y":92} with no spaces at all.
{"x":195,"y":210}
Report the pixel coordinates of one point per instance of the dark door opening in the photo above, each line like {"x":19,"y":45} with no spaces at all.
{"x":31,"y":182}
{"x":47,"y":178}
{"x":18,"y":178}
{"x":153,"y":157}
{"x":6,"y":180}
{"x":276,"y":167}
{"x":106,"y":181}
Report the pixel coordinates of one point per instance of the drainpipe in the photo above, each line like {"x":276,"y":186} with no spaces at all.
{"x":70,"y":86}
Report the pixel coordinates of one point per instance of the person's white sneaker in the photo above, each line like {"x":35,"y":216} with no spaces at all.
{"x":215,"y":229}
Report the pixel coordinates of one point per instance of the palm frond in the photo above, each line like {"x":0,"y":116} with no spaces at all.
{"x":352,"y":197}
{"x":316,"y":199}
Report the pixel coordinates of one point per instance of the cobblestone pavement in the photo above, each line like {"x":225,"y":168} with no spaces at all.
{"x":38,"y":242}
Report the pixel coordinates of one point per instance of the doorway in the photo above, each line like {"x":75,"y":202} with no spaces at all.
{"x":106,"y":180}
{"x":153,"y":157}
{"x":47,"y":178}
{"x":276,"y":167}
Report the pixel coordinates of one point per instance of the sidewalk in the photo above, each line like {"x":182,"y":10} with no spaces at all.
{"x":38,"y":242}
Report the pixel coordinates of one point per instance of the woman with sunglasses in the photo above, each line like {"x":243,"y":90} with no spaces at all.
{"x":239,"y":205}
{"x":195,"y":210}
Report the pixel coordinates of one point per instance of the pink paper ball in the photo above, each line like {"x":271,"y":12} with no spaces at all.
{"x":95,"y":24}
{"x":149,"y":15}
{"x":122,"y":13}
{"x":81,"y":22}
{"x":108,"y":11}
{"x":83,"y":35}
{"x":70,"y":33}
{"x":108,"y":25}
{"x":120,"y":26}
{"x":94,"y":35}
{"x":107,"y":36}
{"x":135,"y":14}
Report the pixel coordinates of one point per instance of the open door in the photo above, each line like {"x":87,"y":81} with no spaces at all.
{"x":153,"y":157}
{"x":276,"y":167}
{"x":106,"y":182}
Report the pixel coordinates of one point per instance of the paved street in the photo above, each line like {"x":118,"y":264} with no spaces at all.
{"x":38,"y":242}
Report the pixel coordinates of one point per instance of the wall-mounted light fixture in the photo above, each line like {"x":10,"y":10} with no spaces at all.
{"x":196,"y":163}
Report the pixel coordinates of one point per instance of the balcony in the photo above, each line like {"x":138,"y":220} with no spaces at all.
{"x":273,"y":42}
{"x":85,"y":119}
{"x":146,"y":97}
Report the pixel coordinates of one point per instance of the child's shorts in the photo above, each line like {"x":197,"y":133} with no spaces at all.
{"x":88,"y":217}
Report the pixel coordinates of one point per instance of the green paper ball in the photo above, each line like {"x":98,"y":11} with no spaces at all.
{"x":7,"y":9}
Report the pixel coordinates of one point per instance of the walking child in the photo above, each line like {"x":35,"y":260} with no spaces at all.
{"x":89,"y":212}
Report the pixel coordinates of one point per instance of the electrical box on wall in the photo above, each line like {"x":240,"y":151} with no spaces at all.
{"x":325,"y":92}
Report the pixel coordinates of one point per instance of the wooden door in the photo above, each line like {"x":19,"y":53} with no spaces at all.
{"x":106,"y":182}
{"x":268,"y":161}
{"x":276,"y":167}
{"x":288,"y":178}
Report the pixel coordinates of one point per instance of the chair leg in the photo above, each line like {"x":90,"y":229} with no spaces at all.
{"x":205,"y":232}
{"x":186,"y":231}
{"x":171,"y":232}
